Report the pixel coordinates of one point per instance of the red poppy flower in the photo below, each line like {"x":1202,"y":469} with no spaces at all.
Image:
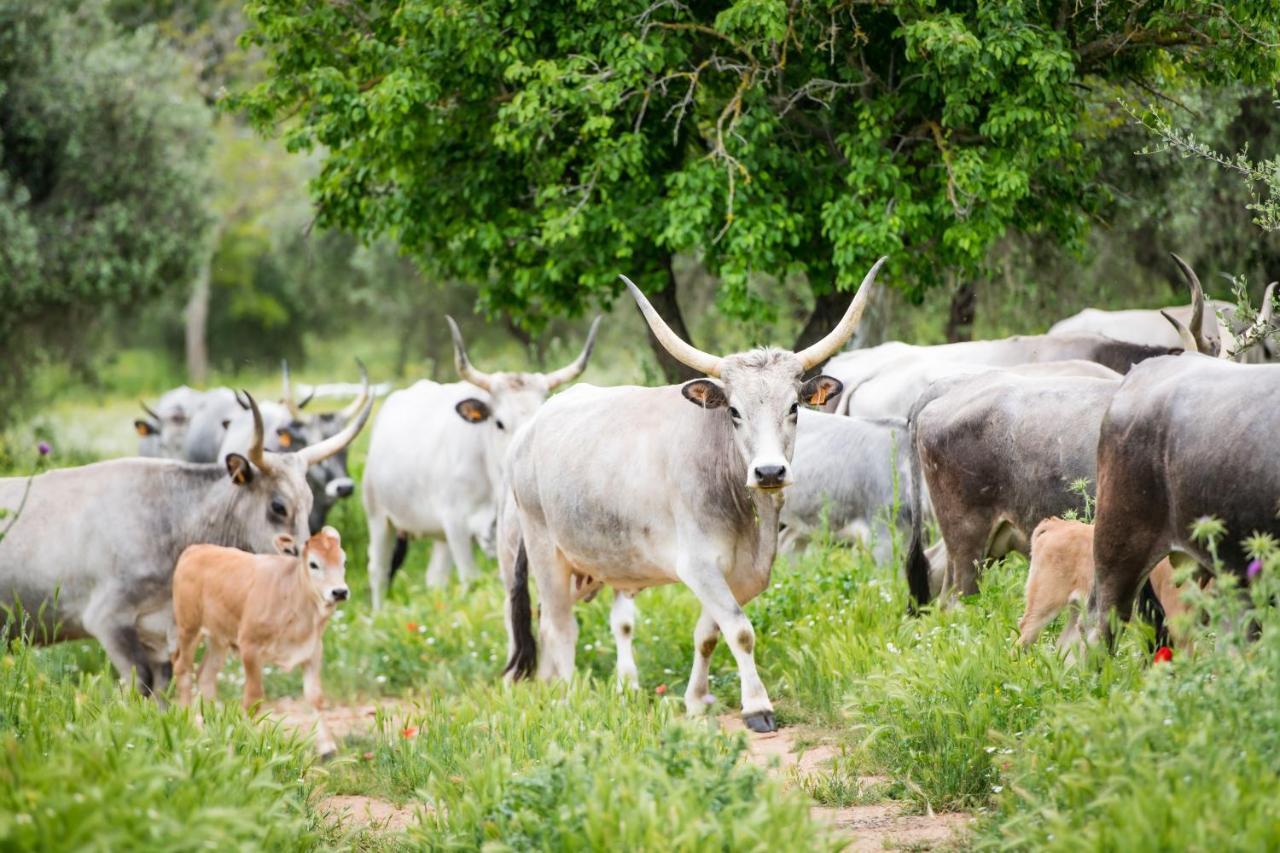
{"x":1164,"y":654}
{"x":661,"y":689}
{"x":409,"y":731}
{"x":411,"y":627}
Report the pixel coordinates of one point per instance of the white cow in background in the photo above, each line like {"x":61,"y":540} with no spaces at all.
{"x":434,"y":462}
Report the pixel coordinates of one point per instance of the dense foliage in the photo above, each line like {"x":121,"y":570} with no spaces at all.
{"x":538,"y":149}
{"x":102,"y":177}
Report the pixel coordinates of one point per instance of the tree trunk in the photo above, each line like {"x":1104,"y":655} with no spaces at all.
{"x":828,"y":308}
{"x":664,"y":302}
{"x":963,"y":303}
{"x":196,"y":315}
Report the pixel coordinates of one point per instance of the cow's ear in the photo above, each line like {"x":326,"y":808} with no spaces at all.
{"x":145,"y":428}
{"x":473,"y":411}
{"x":332,"y":533}
{"x":819,"y":389}
{"x":284,"y":437}
{"x":239,"y":468}
{"x":705,"y":393}
{"x":286,"y":545}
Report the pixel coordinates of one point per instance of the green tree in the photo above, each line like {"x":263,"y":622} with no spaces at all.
{"x":536,"y":149}
{"x":102,"y":178}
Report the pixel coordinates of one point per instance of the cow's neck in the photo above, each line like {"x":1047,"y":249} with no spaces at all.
{"x":752,"y":512}
{"x":211,"y":514}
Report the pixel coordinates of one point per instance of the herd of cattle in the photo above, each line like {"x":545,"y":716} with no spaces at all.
{"x":1170,"y":413}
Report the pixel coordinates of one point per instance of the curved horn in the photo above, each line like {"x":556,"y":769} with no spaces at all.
{"x":1184,"y":334}
{"x":150,"y":411}
{"x":817,"y":353}
{"x":294,"y":409}
{"x":680,"y":350}
{"x":350,"y":410}
{"x":1196,"y":326}
{"x":241,"y":401}
{"x":322,"y":450}
{"x":571,"y":372}
{"x":256,"y":455}
{"x":1266,"y":312}
{"x":463,"y":364}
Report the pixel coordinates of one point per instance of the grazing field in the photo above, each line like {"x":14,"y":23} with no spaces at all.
{"x":890,"y":725}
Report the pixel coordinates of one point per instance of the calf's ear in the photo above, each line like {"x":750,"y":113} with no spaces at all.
{"x":704,"y":393}
{"x":332,"y":533}
{"x":473,"y":411}
{"x":819,"y":389}
{"x":145,"y":428}
{"x":239,"y":468}
{"x":286,"y":545}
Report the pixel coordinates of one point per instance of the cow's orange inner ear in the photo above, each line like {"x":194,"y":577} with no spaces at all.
{"x":820,"y":396}
{"x":144,"y":429}
{"x":286,"y":439}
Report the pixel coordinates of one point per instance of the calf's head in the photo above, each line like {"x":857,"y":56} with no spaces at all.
{"x":513,"y":398}
{"x":760,"y":391}
{"x":324,"y":563}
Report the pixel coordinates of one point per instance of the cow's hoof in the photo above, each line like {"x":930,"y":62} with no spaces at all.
{"x":761,"y":722}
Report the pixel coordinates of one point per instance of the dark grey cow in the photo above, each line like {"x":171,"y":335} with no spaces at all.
{"x":999,"y":453}
{"x":93,"y":551}
{"x":1183,"y":438}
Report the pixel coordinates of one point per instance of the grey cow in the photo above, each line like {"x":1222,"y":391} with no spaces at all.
{"x":1183,"y":438}
{"x":999,"y":453}
{"x":93,"y":551}
{"x":637,"y":487}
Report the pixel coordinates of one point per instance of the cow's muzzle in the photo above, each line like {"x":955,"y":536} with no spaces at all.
{"x":340,"y":488}
{"x":769,"y":477}
{"x":340,"y":593}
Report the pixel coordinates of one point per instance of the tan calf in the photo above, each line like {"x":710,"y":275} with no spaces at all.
{"x":270,"y":608}
{"x":1062,"y":575}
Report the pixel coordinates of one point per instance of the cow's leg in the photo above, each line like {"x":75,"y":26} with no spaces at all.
{"x":215,"y":655}
{"x":382,"y":539}
{"x":557,"y":628}
{"x":1123,"y":555}
{"x":966,"y":546}
{"x":457,"y":534}
{"x":110,"y":619}
{"x":622,"y":619}
{"x":438,"y":565}
{"x":251,"y":657}
{"x":314,"y":694}
{"x":705,"y":635}
{"x":704,"y":578}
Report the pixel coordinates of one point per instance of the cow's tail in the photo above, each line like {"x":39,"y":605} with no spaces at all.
{"x":1151,"y":610}
{"x":398,"y":554}
{"x":917,"y":565}
{"x":524,"y":646}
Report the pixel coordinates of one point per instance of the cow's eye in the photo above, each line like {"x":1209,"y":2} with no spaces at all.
{"x":499,"y":424}
{"x":278,"y":507}
{"x":795,"y":408}
{"x":733,"y":413}
{"x":315,"y":567}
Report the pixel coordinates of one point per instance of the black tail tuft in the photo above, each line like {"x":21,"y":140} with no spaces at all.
{"x":398,"y":555}
{"x":917,"y":565}
{"x":1151,"y":610}
{"x":524,"y":655}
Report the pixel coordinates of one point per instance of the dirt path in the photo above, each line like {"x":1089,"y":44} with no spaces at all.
{"x":868,"y":827}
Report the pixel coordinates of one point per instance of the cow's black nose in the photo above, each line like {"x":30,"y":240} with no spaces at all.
{"x":770,"y":475}
{"x":341,"y":593}
{"x":345,"y":490}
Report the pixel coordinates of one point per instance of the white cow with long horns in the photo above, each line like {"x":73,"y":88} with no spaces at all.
{"x":434,"y":462}
{"x":637,"y":487}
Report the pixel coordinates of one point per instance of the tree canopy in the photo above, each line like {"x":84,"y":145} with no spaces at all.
{"x":537,"y":149}
{"x":102,"y":176}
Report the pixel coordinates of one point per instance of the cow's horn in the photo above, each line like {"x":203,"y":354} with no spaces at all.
{"x":571,"y":372}
{"x":1196,"y":326}
{"x":815,"y":354}
{"x":680,"y":350}
{"x":353,"y":407}
{"x":150,"y":411}
{"x":256,"y":454}
{"x":1184,"y":334}
{"x":463,"y":364}
{"x":322,"y":450}
{"x":295,"y":409}
{"x":1268,"y":309}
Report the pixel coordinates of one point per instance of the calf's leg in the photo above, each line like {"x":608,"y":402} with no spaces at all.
{"x":184,"y":659}
{"x":215,"y":655}
{"x":314,"y":694}
{"x":250,"y":657}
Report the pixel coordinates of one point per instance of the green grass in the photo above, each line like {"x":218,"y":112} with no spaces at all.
{"x":1110,"y":754}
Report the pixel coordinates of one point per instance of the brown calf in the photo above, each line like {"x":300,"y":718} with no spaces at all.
{"x":270,"y":608}
{"x":1062,"y":575}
